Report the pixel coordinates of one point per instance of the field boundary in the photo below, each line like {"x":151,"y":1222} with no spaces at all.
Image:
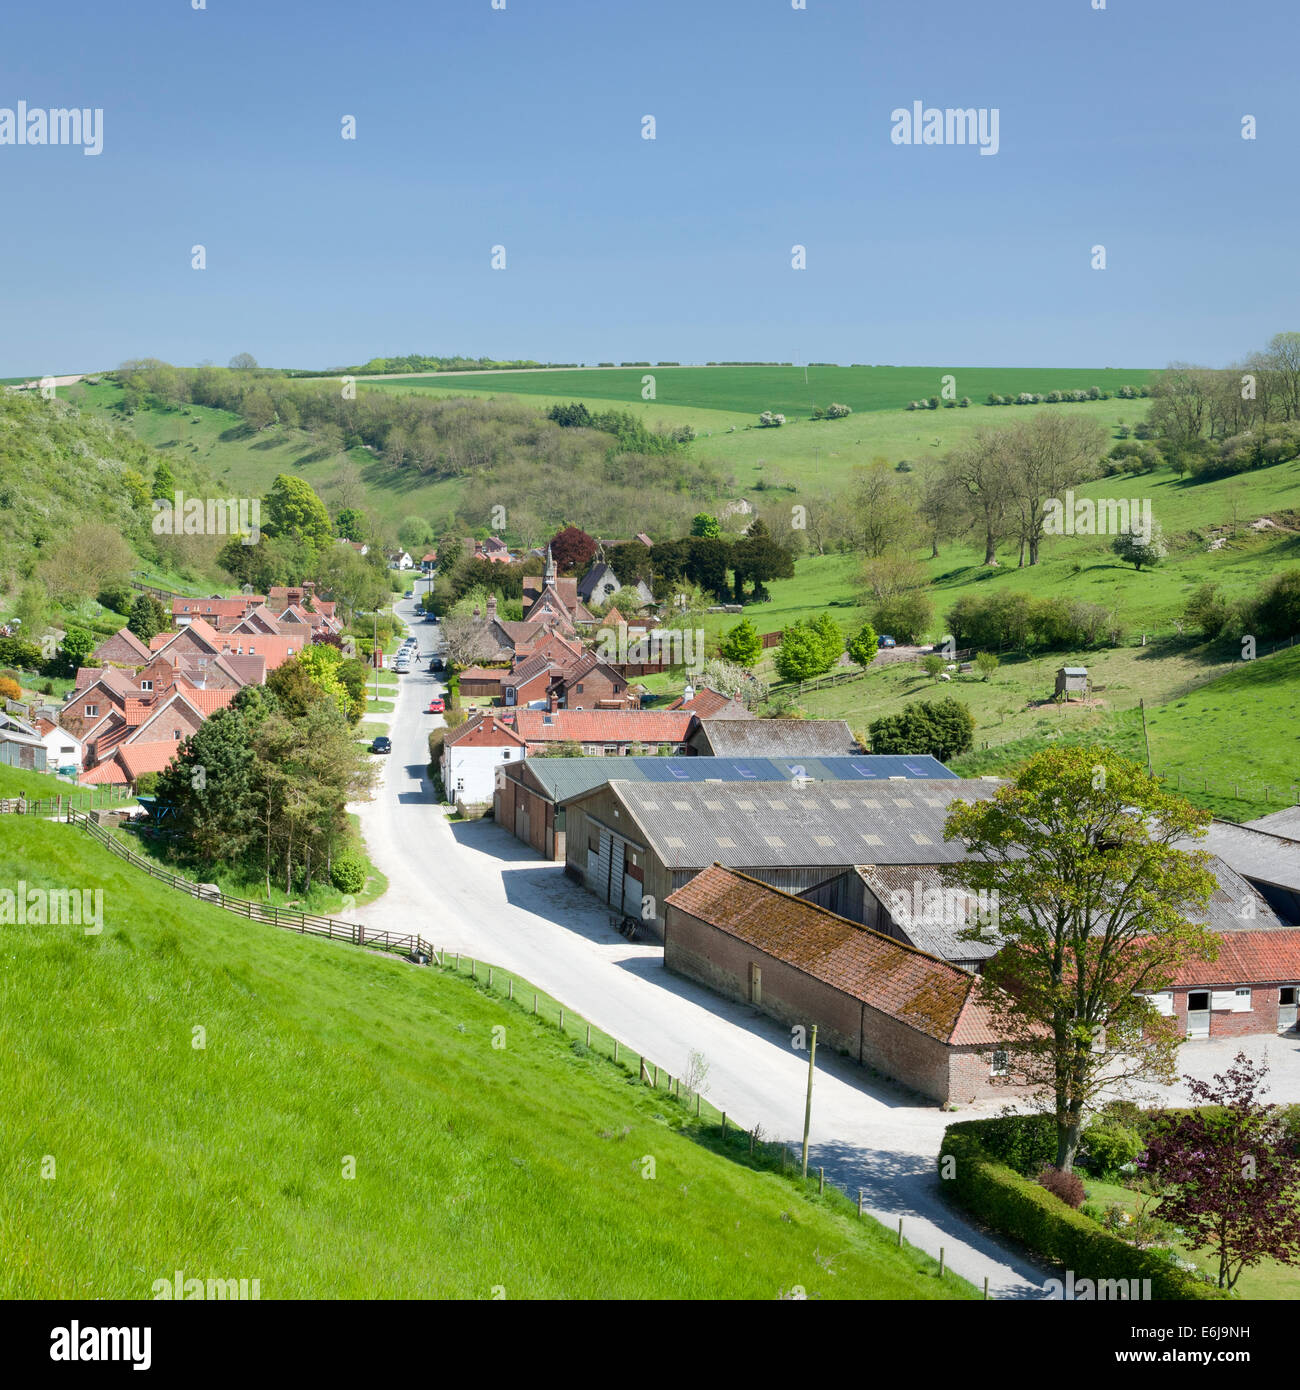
{"x":288,"y":918}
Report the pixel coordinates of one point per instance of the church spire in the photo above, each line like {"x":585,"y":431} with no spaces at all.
{"x":549,"y":576}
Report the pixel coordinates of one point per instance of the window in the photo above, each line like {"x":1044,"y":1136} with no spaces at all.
{"x":1242,"y":1004}
{"x":1001,"y":1063}
{"x":146,"y":685}
{"x":578,"y":688}
{"x":1163,"y":1003}
{"x":176,"y":733}
{"x":92,"y":711}
{"x":1235,"y":1001}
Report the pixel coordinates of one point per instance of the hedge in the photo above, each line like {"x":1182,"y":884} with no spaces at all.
{"x":1016,"y":1206}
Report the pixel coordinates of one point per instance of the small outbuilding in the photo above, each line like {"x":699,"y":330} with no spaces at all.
{"x":1072,"y":680}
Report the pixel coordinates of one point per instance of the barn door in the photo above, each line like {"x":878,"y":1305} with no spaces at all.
{"x":1198,"y":1013}
{"x":614,"y":887}
{"x":1286,"y":1008}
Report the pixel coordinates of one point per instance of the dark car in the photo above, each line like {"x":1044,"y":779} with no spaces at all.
{"x":883,"y":641}
{"x":382,"y":744}
{"x":436,"y":664}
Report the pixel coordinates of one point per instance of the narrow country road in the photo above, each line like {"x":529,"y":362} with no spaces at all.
{"x":474,"y":888}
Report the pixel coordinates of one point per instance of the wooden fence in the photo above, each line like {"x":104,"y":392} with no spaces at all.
{"x":290,"y":918}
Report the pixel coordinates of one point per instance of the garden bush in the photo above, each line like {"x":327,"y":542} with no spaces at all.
{"x":1018,"y":1207}
{"x":1067,"y":1186}
{"x":348,"y":871}
{"x":1107,"y":1146}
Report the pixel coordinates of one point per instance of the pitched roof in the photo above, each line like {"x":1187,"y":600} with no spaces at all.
{"x":907,"y":984}
{"x":1285,"y":823}
{"x":139,"y":758}
{"x":562,"y":778}
{"x":603,"y":725}
{"x":712,"y":704}
{"x":934,"y":933}
{"x":483,"y":673}
{"x":125,"y":634}
{"x":1258,"y":854}
{"x":1246,"y":957}
{"x":484,"y":732}
{"x":796,"y":823}
{"x":208,"y":702}
{"x":738,"y":738}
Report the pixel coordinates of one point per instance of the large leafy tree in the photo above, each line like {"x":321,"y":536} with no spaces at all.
{"x":741,"y":644}
{"x":209,"y":788}
{"x":148,"y":618}
{"x":1139,"y":548}
{"x":705,"y":526}
{"x":802,"y":653}
{"x":943,"y":728}
{"x":1097,"y":904}
{"x":293,"y":509}
{"x":1226,"y":1173}
{"x":572,"y":549}
{"x":74,"y":650}
{"x":755,"y":559}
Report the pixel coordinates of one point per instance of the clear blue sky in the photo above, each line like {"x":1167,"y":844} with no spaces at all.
{"x":523,"y":127}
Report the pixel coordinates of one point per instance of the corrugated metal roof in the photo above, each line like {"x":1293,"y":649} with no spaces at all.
{"x":781,"y":823}
{"x":765,"y":738}
{"x":1259,"y":855}
{"x":560,"y":778}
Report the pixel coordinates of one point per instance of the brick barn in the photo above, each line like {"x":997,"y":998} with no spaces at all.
{"x":1253,"y":987}
{"x":908,"y":1015}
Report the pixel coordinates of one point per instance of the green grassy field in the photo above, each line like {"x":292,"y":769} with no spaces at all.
{"x":791,"y":391}
{"x":519,"y":1168}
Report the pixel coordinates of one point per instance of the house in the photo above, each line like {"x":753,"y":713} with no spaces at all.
{"x":494,"y":549}
{"x":530,"y":795}
{"x":400,"y":560}
{"x":429,"y":562}
{"x":21,"y":744}
{"x":1072,"y":680}
{"x":63,"y":750}
{"x":774,"y":738}
{"x":123,"y":648}
{"x":792,"y":833}
{"x":528,"y":682}
{"x":590,"y":683}
{"x":611,"y":733}
{"x":359,"y":546}
{"x":1253,"y":987}
{"x":219,"y":613}
{"x":886,"y":1005}
{"x":471,"y":755}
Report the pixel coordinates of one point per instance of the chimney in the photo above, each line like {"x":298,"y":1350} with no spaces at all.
{"x":492,"y":608}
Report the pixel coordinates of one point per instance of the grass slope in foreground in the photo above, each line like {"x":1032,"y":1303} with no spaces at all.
{"x":475,"y":1166}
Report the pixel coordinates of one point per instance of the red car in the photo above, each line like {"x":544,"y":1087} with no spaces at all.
{"x":437,"y":706}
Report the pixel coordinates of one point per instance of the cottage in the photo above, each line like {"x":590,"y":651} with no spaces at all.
{"x":886,"y":1005}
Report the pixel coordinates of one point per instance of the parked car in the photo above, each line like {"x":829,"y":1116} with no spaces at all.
{"x":410,"y":593}
{"x":435,"y":663}
{"x":437,"y":705}
{"x":884,"y":641}
{"x":383,"y":744}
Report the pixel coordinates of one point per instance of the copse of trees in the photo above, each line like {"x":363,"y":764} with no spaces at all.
{"x":1214,"y":422}
{"x":1017,"y":621}
{"x":1273,"y":612}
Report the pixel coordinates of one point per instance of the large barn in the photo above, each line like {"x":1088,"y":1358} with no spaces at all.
{"x":633,"y":844}
{"x":530,"y":795}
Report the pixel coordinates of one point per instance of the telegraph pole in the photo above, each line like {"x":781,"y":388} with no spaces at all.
{"x":807,"y":1109}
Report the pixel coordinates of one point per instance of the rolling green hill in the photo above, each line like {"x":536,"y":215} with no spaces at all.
{"x":519,"y":1168}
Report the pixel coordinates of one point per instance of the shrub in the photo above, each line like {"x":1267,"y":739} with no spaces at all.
{"x":1107,"y":1146}
{"x":1026,"y":1143}
{"x":1017,"y":1207}
{"x":1067,"y":1186}
{"x":348,"y":871}
{"x":10,"y":689}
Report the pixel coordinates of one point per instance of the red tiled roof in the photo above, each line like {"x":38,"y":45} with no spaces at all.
{"x":484,"y":732}
{"x":604,"y":725}
{"x":1245,"y":957}
{"x":926,"y":993}
{"x":711,"y":704}
{"x":139,"y":758}
{"x":209,"y":701}
{"x":482,"y":673}
{"x":102,"y":773}
{"x":131,"y":640}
